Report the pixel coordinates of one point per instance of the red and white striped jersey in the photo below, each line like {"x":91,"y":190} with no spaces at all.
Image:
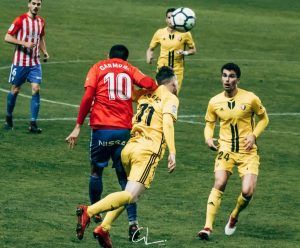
{"x":26,"y":29}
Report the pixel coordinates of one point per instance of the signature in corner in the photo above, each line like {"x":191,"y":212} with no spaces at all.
{"x":145,"y":238}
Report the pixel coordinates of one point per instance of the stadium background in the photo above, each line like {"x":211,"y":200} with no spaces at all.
{"x":42,"y":181}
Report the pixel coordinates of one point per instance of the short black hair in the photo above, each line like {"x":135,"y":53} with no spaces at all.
{"x":232,"y":67}
{"x":170,"y":10}
{"x":119,"y":51}
{"x":164,"y":75}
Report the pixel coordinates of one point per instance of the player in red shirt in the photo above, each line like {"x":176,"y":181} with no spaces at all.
{"x":27,"y":32}
{"x":108,"y":98}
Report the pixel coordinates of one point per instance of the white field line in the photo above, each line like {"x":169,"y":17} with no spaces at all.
{"x":44,"y":100}
{"x":268,"y":131}
{"x":191,"y":59}
{"x":179,"y":120}
{"x":181,"y":116}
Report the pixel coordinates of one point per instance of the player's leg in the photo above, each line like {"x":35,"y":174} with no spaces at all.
{"x":96,"y":188}
{"x":99,"y":157}
{"x":179,"y":75}
{"x":248,"y":170}
{"x":224,"y":163}
{"x":214,"y":202}
{"x":17,"y":77}
{"x":249,"y":182}
{"x":122,"y":178}
{"x":35,"y":78}
{"x":101,"y":233}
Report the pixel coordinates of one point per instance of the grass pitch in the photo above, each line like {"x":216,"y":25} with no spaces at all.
{"x":42,"y":181}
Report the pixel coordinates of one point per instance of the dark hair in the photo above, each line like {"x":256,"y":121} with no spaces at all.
{"x":164,"y":75}
{"x":170,"y":10}
{"x":31,"y":0}
{"x":232,"y":67}
{"x":119,"y":51}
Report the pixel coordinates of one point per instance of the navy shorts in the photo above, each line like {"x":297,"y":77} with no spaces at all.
{"x":106,"y":144}
{"x":20,"y":74}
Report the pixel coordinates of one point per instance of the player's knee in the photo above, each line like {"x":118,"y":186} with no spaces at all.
{"x":220,"y":184}
{"x":96,"y":171}
{"x":247,"y":193}
{"x":134,"y":197}
{"x":15,"y":90}
{"x":35,"y":89}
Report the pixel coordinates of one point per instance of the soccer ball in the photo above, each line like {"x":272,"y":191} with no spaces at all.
{"x":183,"y":19}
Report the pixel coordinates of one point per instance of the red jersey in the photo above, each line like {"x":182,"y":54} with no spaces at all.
{"x":111,"y":82}
{"x":26,"y":28}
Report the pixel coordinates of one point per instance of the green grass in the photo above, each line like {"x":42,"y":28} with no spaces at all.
{"x":42,"y":181}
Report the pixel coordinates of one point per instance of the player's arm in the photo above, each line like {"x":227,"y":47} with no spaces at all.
{"x":153,"y":44}
{"x":149,"y":55}
{"x":13,"y":40}
{"x":190,"y":51}
{"x":168,"y":130}
{"x":259,"y":128}
{"x":209,"y":135}
{"x":142,"y":80}
{"x":190,"y":44}
{"x":84,"y":109}
{"x":43,"y":48}
{"x":10,"y":36}
{"x":262,"y":123}
{"x":210,"y":123}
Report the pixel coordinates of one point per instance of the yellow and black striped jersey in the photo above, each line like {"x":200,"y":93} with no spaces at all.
{"x":236,"y":118}
{"x":170,"y":43}
{"x":148,"y":121}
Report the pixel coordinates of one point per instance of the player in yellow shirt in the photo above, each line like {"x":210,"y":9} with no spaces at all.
{"x":235,"y":109}
{"x":152,"y":132}
{"x":173,"y":45}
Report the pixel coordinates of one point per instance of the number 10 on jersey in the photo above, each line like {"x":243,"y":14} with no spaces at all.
{"x":119,"y":86}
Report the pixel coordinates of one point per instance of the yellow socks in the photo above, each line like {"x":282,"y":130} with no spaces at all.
{"x":213,"y":204}
{"x":110,"y":217}
{"x":110,"y":202}
{"x":241,"y":204}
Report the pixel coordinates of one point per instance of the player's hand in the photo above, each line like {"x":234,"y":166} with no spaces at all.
{"x":46,"y":57}
{"x":171,"y":162}
{"x":249,"y":142}
{"x":29,"y":44}
{"x":72,"y":138}
{"x":182,"y":52}
{"x":149,"y":60}
{"x":213,"y":144}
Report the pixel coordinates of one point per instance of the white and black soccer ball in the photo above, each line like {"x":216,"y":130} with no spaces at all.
{"x":183,"y":19}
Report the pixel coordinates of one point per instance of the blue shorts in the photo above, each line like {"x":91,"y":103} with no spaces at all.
{"x":19,"y":74}
{"x":106,"y":144}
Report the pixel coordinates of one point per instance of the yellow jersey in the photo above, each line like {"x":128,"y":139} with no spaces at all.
{"x":148,"y":121}
{"x":170,"y":43}
{"x":236,"y":117}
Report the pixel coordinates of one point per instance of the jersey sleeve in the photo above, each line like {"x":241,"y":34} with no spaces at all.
{"x":15,"y":26}
{"x":142,"y":80}
{"x":155,"y":40}
{"x":257,"y":106}
{"x":91,"y":78}
{"x":189,"y":40}
{"x":210,"y":115}
{"x":171,"y":107}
